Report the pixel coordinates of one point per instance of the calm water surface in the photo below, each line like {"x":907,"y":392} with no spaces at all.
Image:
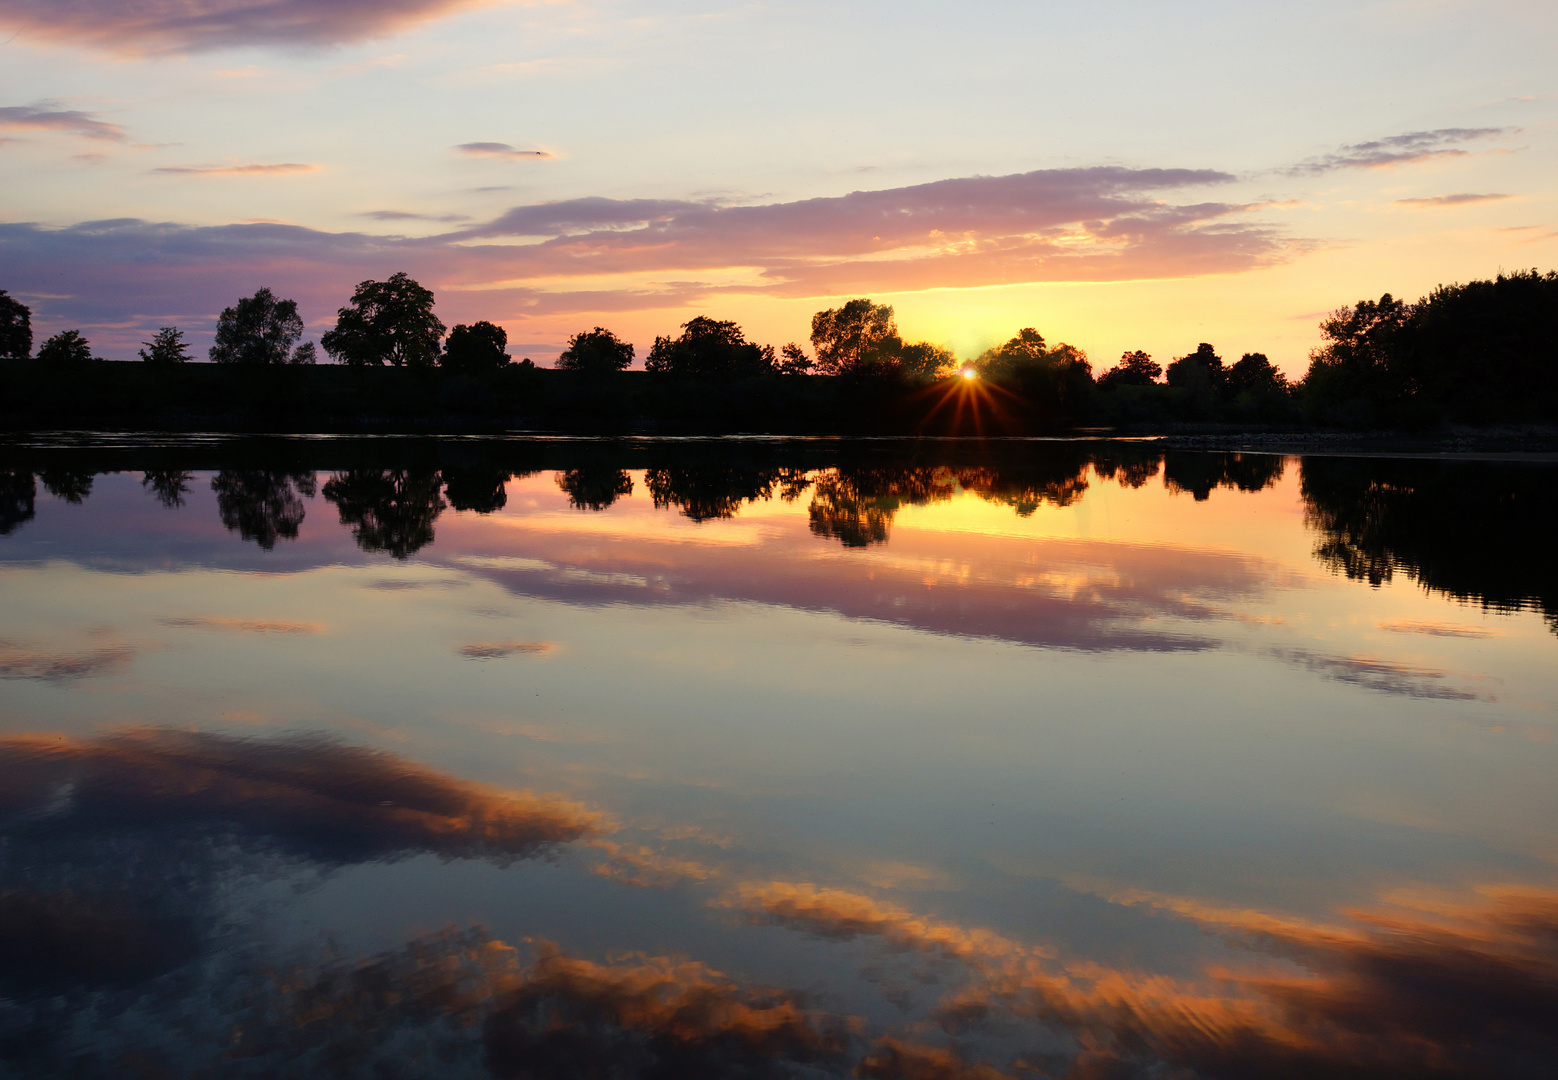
{"x":397,"y":757}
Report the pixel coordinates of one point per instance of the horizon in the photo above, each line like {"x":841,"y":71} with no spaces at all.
{"x":1119,"y":177}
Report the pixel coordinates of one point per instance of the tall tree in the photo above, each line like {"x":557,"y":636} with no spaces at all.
{"x":15,"y":328}
{"x":1135,"y":368}
{"x":258,"y":330}
{"x":707,"y":349}
{"x":166,"y":348}
{"x":387,"y":322}
{"x":66,"y":350}
{"x":853,"y":339}
{"x":597,"y":350}
{"x":795,"y":361}
{"x":475,"y":349}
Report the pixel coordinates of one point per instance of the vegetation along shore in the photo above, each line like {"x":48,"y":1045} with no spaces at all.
{"x":1477,"y":354}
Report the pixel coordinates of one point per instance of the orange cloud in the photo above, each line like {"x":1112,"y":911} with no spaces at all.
{"x":251,"y":626}
{"x":492,"y":650}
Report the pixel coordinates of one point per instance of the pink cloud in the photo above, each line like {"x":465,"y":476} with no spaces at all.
{"x":48,"y":116}
{"x":160,"y":26}
{"x":284,"y":168}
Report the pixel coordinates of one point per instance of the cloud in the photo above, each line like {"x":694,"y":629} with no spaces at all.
{"x":1461,"y":199}
{"x":48,"y":116}
{"x":1386,"y":676}
{"x":167,"y":26}
{"x":491,"y":650}
{"x":251,"y":626}
{"x":406,"y":215}
{"x":598,"y":255}
{"x":19,"y":662}
{"x":312,"y":797}
{"x":503,"y":151}
{"x":285,"y":168}
{"x":1408,"y":149}
{"x":1435,"y":629}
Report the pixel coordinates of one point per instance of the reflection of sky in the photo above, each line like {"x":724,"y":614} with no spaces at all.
{"x":813,"y":761}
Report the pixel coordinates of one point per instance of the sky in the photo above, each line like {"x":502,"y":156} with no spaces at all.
{"x":1119,"y":174}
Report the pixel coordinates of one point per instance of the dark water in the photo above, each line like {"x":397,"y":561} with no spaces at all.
{"x":752,"y":759}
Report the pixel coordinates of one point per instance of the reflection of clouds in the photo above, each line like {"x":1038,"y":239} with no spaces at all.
{"x":654,"y":1018}
{"x":1386,"y":676}
{"x":1457,"y":991}
{"x":19,"y":662}
{"x":1435,"y":629}
{"x":310,"y":796}
{"x":250,"y":626}
{"x":53,"y":940}
{"x":492,"y":650}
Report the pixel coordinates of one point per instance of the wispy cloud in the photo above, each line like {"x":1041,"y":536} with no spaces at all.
{"x":1461,"y":199}
{"x":164,"y":26}
{"x":251,"y":626}
{"x":493,"y":650}
{"x":503,"y":151}
{"x":48,"y":116}
{"x":406,"y":215}
{"x":284,"y":168}
{"x":1396,"y":150}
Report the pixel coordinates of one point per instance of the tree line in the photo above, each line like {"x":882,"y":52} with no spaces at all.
{"x":1481,"y":352}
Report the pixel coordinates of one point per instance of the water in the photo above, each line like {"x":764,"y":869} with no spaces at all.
{"x":519,"y":758}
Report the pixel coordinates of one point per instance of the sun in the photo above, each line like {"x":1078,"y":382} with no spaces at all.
{"x":969,"y":373}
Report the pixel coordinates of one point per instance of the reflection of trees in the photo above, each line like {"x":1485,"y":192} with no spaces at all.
{"x":1474,"y":531}
{"x":477,"y":488}
{"x":71,"y":485}
{"x":168,"y":486}
{"x":18,"y":494}
{"x":856,"y":506}
{"x":262,"y":505}
{"x":594,"y":487}
{"x":1128,"y":470}
{"x":704,"y":492}
{"x":1199,"y":473}
{"x":388,"y":510}
{"x":1056,"y":482}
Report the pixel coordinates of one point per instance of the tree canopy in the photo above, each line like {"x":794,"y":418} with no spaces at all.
{"x":65,"y":350}
{"x":15,"y":328}
{"x":475,"y":349}
{"x":1135,"y":368}
{"x":854,"y":339}
{"x":166,"y":348}
{"x":597,"y":350}
{"x":709,"y":348}
{"x":258,"y":330}
{"x":387,"y":322}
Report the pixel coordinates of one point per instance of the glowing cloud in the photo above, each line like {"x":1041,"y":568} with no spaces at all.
{"x":503,"y":151}
{"x":162,"y":26}
{"x":1461,"y":199}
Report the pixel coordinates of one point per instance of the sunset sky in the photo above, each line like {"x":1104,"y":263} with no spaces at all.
{"x":1119,"y":174}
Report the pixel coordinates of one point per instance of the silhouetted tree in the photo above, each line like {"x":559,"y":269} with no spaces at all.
{"x":594,"y":487}
{"x":1253,"y":373}
{"x":390,"y":511}
{"x":65,"y":351}
{"x":387,"y":322}
{"x":1054,"y":383}
{"x":168,"y":485}
{"x":166,"y":348}
{"x":1363,"y":371}
{"x":1134,"y":369}
{"x":18,"y":498}
{"x":476,"y":488}
{"x":477,"y":349}
{"x":1201,"y":370}
{"x":795,"y":361}
{"x":67,"y":484}
{"x":258,"y":330}
{"x":262,"y":505}
{"x":708,"y":349}
{"x":597,"y":350}
{"x":305,"y":355}
{"x":857,"y":338}
{"x":15,"y":328}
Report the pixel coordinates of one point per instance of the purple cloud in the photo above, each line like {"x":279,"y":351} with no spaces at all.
{"x":1057,"y":225}
{"x":48,"y":116}
{"x":159,"y":26}
{"x":1407,"y":149}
